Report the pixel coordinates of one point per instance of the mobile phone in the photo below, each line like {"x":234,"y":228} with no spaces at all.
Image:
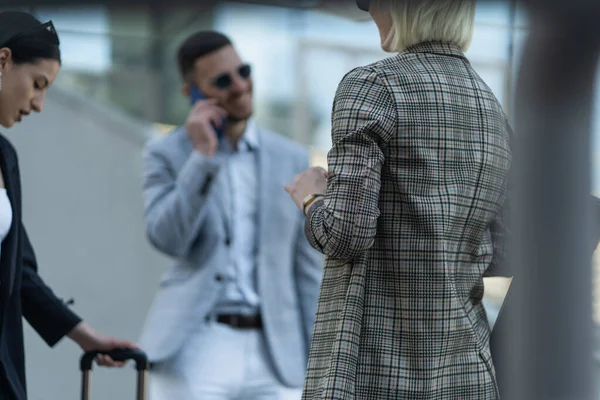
{"x":196,"y":95}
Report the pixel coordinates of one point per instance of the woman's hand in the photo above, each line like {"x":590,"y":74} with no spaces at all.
{"x":90,"y":340}
{"x":311,"y":181}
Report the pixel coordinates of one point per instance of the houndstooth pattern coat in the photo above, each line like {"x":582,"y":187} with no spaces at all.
{"x":417,"y":181}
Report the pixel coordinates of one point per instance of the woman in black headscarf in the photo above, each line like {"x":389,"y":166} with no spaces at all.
{"x":29,"y":63}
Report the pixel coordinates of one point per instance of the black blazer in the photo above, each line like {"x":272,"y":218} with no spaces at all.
{"x":22,"y":291}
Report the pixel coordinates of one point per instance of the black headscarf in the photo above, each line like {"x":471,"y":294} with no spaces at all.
{"x":27,"y":37}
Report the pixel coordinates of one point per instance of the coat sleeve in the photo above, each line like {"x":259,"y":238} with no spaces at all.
{"x":172,"y":203}
{"x":45,"y":312}
{"x":500,"y":228}
{"x":344,"y":223}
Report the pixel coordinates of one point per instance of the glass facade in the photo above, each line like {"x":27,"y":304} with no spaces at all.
{"x":126,"y":58}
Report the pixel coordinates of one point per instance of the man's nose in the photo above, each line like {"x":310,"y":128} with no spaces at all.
{"x":238,"y":84}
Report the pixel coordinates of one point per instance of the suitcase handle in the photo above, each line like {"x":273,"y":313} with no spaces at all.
{"x":141,"y":364}
{"x":140,"y":358}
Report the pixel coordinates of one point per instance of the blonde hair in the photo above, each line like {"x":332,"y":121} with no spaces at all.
{"x":418,"y":21}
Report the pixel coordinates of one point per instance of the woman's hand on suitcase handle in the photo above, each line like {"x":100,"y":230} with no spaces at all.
{"x":91,"y":340}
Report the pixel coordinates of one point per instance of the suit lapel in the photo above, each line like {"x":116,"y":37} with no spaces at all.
{"x":222,"y":196}
{"x":266,"y":188}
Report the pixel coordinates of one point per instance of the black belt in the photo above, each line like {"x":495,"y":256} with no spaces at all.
{"x":241,"y":321}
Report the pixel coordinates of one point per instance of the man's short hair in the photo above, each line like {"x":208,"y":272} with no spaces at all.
{"x":196,"y":46}
{"x":418,"y":21}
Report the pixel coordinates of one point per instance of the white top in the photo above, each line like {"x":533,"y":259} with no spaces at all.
{"x":6,"y":215}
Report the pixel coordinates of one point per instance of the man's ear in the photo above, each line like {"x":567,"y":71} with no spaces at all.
{"x":185,"y":89}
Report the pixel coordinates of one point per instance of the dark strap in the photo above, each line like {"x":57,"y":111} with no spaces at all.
{"x":241,"y":321}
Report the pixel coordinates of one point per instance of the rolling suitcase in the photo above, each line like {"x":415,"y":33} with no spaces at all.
{"x":141,"y":365}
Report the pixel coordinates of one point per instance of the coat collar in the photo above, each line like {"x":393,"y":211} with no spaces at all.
{"x":441,"y":48}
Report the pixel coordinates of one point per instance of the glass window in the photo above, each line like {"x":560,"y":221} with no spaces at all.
{"x":84,"y":36}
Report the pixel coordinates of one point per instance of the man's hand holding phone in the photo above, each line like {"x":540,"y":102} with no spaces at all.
{"x":201,"y":123}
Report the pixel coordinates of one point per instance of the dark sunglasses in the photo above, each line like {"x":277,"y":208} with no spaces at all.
{"x":223,"y":81}
{"x":363,"y":4}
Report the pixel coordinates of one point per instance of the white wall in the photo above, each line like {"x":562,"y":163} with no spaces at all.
{"x":81,"y":171}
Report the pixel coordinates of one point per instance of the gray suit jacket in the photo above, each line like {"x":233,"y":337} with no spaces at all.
{"x":185,"y":219}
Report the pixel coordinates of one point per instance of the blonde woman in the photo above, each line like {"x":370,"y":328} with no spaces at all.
{"x":406,"y":215}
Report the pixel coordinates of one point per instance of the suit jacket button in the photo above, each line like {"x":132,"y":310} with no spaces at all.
{"x":227,"y":242}
{"x":218,"y":278}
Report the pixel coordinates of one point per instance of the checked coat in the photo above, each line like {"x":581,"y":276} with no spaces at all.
{"x":416,"y":185}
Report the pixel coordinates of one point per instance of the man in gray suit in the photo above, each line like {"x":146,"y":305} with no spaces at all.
{"x":233,"y":317}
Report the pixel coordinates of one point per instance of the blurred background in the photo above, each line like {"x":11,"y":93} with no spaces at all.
{"x":119,"y":86}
